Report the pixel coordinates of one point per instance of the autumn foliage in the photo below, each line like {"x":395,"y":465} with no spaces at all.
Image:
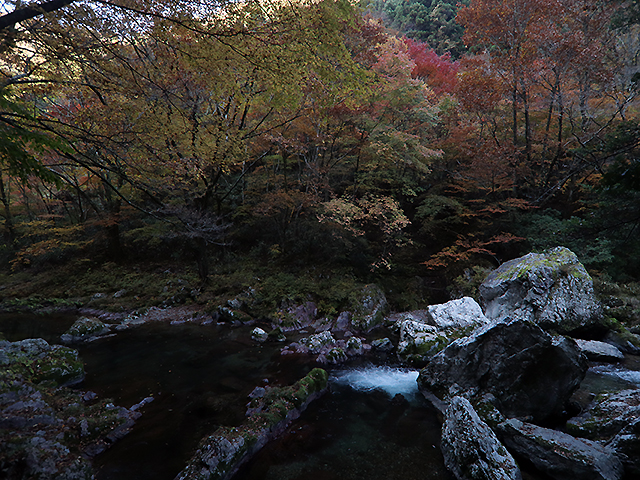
{"x":308,"y":129}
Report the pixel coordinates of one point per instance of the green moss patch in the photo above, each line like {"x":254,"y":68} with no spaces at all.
{"x":220,"y":454}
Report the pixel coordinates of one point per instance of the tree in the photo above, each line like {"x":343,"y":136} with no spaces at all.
{"x":189,"y":101}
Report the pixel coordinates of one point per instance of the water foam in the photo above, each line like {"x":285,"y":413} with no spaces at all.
{"x":391,"y":380}
{"x":631,"y":376}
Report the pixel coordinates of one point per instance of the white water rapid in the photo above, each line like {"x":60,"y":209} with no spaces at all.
{"x":391,"y":380}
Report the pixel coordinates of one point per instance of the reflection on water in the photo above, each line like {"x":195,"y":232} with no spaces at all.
{"x":356,"y":432}
{"x":19,"y":326}
{"x":617,"y":375}
{"x":199,"y":376}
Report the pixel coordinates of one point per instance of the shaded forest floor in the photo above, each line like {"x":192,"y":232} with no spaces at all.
{"x":261,"y":289}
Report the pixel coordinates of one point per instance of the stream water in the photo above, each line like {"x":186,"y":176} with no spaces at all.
{"x":372,"y":424}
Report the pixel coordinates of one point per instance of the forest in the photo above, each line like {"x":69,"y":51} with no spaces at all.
{"x":187,"y":151}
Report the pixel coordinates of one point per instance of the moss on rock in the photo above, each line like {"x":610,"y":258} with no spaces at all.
{"x":220,"y":454}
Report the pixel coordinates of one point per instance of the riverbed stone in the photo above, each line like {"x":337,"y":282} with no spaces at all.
{"x":220,"y":455}
{"x":559,"y":454}
{"x":626,"y":444}
{"x":296,"y":317}
{"x":259,"y":335}
{"x":419,"y":342}
{"x":41,"y":361}
{"x":552,"y":289}
{"x":315,"y":343}
{"x":423,"y":333}
{"x":471,"y":449}
{"x":382,"y":344}
{"x":600,"y":351}
{"x":48,"y":431}
{"x":624,"y":340}
{"x":85,"y":329}
{"x":607,"y":415}
{"x":342,"y":322}
{"x":530,"y":373}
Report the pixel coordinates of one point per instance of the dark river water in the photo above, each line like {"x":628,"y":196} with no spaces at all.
{"x":200,"y":377}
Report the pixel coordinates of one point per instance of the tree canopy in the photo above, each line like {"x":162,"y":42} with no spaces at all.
{"x":420,"y":137}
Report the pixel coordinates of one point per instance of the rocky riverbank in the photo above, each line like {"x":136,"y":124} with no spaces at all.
{"x":507,"y":370}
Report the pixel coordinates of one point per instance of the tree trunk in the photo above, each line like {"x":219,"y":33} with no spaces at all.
{"x":202,"y":259}
{"x":8,"y":218}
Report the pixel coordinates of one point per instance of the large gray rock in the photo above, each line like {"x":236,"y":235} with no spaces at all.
{"x":85,"y":329}
{"x":369,"y":308}
{"x":560,"y":455}
{"x":419,"y":341}
{"x":459,"y":314}
{"x":423,"y":333}
{"x":552,"y":289}
{"x":531,"y":373}
{"x":471,"y":449}
{"x":627,"y":445}
{"x":600,"y":351}
{"x":607,"y":416}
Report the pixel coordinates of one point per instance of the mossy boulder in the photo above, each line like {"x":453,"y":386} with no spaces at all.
{"x":423,"y":333}
{"x":471,"y":450}
{"x":84,"y":329}
{"x":35,"y":360}
{"x":220,"y":455}
{"x":369,"y":308}
{"x":48,"y":431}
{"x":607,"y":415}
{"x":419,"y":342}
{"x":551,"y":289}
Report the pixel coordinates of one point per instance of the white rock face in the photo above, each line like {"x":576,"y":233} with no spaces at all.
{"x":315,"y":343}
{"x":600,"y":351}
{"x":471,"y":449}
{"x":457,"y":314}
{"x":259,"y":335}
{"x":424,"y":333}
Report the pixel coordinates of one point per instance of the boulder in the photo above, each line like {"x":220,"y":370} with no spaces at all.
{"x":471,"y":449}
{"x":627,"y":445}
{"x":560,"y":455}
{"x":531,"y":373}
{"x":369,"y":308}
{"x":315,"y":343}
{"x":600,"y":351}
{"x":342,"y":322}
{"x":48,"y":431}
{"x":220,"y":454}
{"x":259,"y":335}
{"x":624,"y":340}
{"x":34,"y":357}
{"x":607,"y":416}
{"x":382,"y":345}
{"x":296,"y":317}
{"x":419,"y":341}
{"x":85,"y":329}
{"x":423,"y":333}
{"x":460,"y":314}
{"x":552,"y":289}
